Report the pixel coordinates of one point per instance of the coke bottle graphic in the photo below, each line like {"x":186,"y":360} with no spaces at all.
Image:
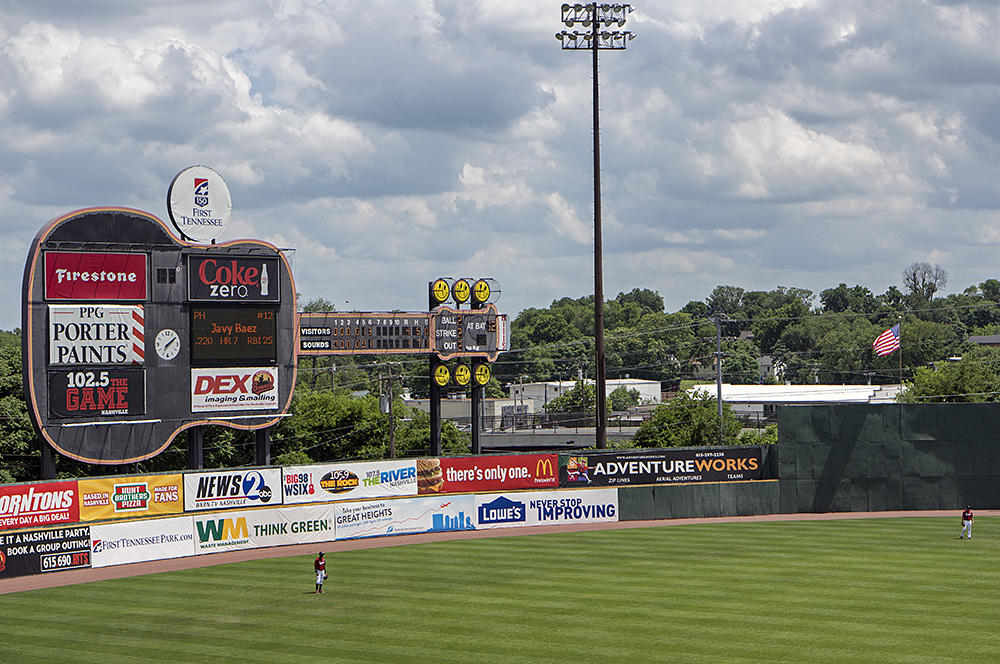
{"x":263,"y":281}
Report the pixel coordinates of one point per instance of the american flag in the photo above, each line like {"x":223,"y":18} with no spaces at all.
{"x":887,"y":342}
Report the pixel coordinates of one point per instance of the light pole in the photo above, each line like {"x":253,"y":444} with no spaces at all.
{"x":593,"y":15}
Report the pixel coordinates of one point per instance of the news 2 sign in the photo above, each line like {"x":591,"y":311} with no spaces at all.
{"x":232,"y":488}
{"x":233,"y":279}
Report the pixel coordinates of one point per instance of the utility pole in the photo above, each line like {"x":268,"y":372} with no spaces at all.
{"x":718,"y":318}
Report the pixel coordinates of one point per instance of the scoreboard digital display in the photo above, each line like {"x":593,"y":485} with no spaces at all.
{"x":235,"y":335}
{"x":331,"y":334}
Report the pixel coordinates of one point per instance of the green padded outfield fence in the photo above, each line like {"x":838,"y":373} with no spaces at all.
{"x":852,"y":458}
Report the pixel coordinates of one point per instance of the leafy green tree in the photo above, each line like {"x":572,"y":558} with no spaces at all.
{"x":331,"y":426}
{"x":739,"y":362}
{"x":413,"y":438}
{"x":687,"y":421}
{"x":623,"y":398}
{"x":841,"y":299}
{"x":974,"y":378}
{"x":20,"y":447}
{"x":726,"y":300}
{"x":581,"y":399}
{"x":649,"y":301}
{"x":766,"y":436}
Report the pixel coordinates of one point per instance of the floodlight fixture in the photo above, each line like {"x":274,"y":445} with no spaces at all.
{"x":592,"y":16}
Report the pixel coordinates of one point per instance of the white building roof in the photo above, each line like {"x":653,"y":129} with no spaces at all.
{"x":803,"y":394}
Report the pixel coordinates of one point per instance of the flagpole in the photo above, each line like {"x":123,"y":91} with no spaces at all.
{"x":900,"y":353}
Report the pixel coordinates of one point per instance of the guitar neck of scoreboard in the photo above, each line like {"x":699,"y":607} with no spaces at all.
{"x":364,"y":333}
{"x":446,"y":332}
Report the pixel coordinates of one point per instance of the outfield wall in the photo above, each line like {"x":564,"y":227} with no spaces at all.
{"x":71,"y":524}
{"x":860,"y":458}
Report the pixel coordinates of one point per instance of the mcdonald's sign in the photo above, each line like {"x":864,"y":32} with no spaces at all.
{"x":543,"y":467}
{"x":499,"y":473}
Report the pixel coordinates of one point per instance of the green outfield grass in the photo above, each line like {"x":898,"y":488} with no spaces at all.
{"x":876,"y":590}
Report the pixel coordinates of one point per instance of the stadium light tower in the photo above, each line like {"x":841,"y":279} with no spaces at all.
{"x":593,"y":16}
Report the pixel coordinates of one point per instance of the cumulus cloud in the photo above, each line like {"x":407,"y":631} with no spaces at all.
{"x":745,"y":143}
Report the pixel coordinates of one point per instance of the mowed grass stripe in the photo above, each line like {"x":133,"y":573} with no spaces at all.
{"x":885,"y":590}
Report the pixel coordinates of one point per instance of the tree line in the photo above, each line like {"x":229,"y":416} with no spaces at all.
{"x":336,"y":412}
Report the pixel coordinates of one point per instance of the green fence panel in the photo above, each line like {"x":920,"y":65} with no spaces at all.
{"x":859,"y":495}
{"x":635,"y":503}
{"x":948,"y":493}
{"x":878,"y":496}
{"x":876,"y":460}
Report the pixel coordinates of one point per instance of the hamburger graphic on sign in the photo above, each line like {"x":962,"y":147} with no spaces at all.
{"x":430,"y":477}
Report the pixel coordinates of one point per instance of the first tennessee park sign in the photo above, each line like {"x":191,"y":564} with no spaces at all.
{"x":131,"y":335}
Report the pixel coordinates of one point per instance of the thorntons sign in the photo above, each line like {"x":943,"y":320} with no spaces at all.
{"x":94,"y":276}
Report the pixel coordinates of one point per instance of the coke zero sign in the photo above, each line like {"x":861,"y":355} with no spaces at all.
{"x":233,"y":279}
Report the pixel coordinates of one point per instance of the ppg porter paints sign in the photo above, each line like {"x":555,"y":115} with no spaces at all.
{"x":96,"y":334}
{"x":199,"y":203}
{"x":112,"y":336}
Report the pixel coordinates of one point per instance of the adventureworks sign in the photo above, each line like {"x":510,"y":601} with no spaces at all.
{"x":733,"y":464}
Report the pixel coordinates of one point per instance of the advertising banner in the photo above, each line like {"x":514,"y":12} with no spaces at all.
{"x":97,"y":392}
{"x":485,"y":473}
{"x":662,"y":467}
{"x":131,"y":497}
{"x":226,"y":489}
{"x":348,"y":481}
{"x":28,"y":505}
{"x":139,"y":541}
{"x":37,"y":551}
{"x":260,"y":528}
{"x":96,"y":334}
{"x":546,"y":508}
{"x":233,"y":279}
{"x":405,"y":516}
{"x":94,"y":276}
{"x":254,"y":388}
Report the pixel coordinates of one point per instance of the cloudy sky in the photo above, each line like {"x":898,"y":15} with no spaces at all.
{"x":756,"y":143}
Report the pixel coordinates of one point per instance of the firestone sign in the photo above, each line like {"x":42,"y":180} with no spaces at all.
{"x":94,"y":276}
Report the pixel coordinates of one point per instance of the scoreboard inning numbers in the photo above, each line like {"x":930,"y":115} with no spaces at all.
{"x":325,"y":333}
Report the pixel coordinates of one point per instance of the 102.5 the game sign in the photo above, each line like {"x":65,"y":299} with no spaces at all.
{"x":92,"y":392}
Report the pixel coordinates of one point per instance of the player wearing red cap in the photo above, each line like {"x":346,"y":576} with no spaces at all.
{"x":966,"y":522}
{"x":319,"y":565}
